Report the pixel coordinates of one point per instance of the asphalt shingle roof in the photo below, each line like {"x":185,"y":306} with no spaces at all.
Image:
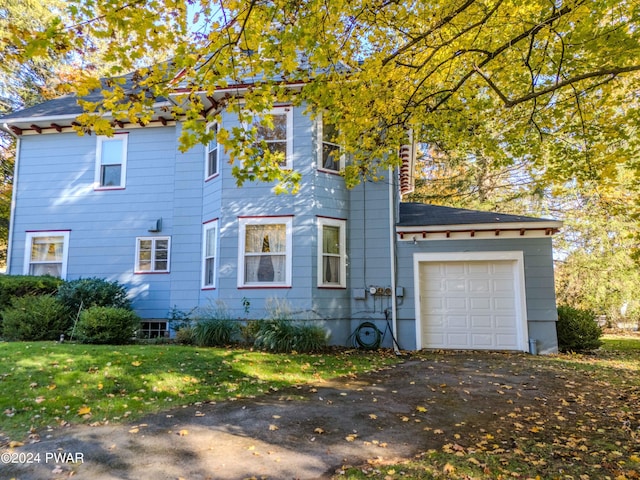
{"x":420,"y":214}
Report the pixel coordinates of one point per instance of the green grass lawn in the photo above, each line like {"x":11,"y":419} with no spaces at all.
{"x":46,"y":384}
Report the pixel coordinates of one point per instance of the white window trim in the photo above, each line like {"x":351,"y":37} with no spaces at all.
{"x":207,"y":150}
{"x":342,"y":225}
{"x":137,"y":270}
{"x":288,"y":112}
{"x":243,"y":222}
{"x":53,"y":233}
{"x":124,"y":137}
{"x":320,"y":143}
{"x":212,"y":225}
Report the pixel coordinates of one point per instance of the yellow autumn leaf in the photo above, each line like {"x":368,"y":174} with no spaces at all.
{"x":183,"y":432}
{"x":421,"y":409}
{"x":351,"y":437}
{"x":448,"y":469}
{"x":136,"y":363}
{"x":273,"y":427}
{"x":134,"y":430}
{"x":373,"y":416}
{"x":84,"y":410}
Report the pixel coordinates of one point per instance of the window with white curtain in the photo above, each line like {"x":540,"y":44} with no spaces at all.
{"x":210,"y":237}
{"x":152,"y":254}
{"x":265,"y":251}
{"x":46,"y":253}
{"x":332,"y":253}
{"x":111,"y":161}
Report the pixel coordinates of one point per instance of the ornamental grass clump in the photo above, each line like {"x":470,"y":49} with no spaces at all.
{"x":214,"y":327}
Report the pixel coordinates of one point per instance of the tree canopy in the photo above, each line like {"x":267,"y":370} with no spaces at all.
{"x":551,"y":83}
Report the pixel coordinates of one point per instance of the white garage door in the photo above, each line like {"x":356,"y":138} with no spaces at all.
{"x":470,"y":305}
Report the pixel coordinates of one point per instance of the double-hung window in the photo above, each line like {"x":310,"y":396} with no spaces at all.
{"x":111,"y":161}
{"x":152,"y":254}
{"x":330,"y":155}
{"x":332,"y":253}
{"x":211,"y":159}
{"x":210,"y":237}
{"x":278,"y":136}
{"x":46,"y":253}
{"x":265,"y":252}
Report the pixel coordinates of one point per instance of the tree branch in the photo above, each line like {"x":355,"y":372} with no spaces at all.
{"x":424,"y":35}
{"x":612,"y":72}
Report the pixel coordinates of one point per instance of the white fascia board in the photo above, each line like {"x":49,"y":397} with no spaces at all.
{"x":481,"y":226}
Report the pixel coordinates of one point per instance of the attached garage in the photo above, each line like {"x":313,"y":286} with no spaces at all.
{"x":471,"y":301}
{"x":480,"y":280}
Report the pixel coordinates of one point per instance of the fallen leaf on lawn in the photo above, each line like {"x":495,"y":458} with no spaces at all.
{"x":40,"y":399}
{"x":136,"y":363}
{"x":14,"y":444}
{"x":84,"y":410}
{"x":448,"y":469}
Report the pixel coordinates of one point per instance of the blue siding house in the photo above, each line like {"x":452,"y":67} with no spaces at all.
{"x":175,"y":229}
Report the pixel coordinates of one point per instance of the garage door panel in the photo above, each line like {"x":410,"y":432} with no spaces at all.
{"x":469,"y":305}
{"x":456,"y":303}
{"x":479,"y":303}
{"x":478,"y":268}
{"x":481,"y":321}
{"x":453,"y":322}
{"x":479,"y":285}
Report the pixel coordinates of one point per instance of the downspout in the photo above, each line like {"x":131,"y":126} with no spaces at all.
{"x":392,"y":256}
{"x":14,"y":190}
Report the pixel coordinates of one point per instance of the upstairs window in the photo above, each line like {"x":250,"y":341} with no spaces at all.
{"x":46,"y":254}
{"x":212,"y":152}
{"x":279,"y":137}
{"x":265,"y":252}
{"x":330,"y":155}
{"x":210,"y":238}
{"x":152,"y":254}
{"x":332,"y":253}
{"x":111,"y":161}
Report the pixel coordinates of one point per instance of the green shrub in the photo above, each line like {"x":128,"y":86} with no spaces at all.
{"x":578,"y":330}
{"x":249,"y":330}
{"x":106,"y":325}
{"x":35,"y":318}
{"x":283,"y":335}
{"x":12,"y":286}
{"x":215,"y":332}
{"x":85,"y":293}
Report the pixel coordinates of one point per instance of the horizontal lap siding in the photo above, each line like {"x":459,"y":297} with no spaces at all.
{"x":55,"y":192}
